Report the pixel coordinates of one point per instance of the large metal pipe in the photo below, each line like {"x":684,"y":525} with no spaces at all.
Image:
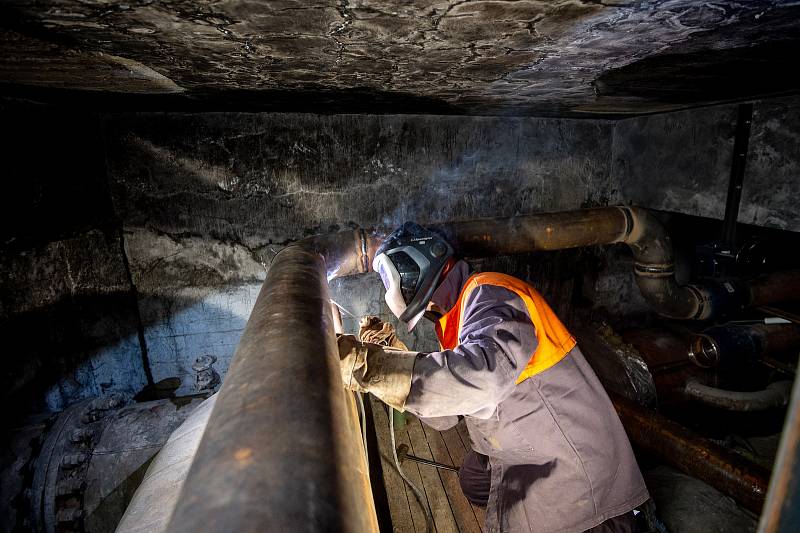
{"x":782,"y":508}
{"x":281,"y":451}
{"x":744,"y":481}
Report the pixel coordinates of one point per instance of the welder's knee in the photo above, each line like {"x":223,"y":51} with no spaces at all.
{"x":475,"y":478}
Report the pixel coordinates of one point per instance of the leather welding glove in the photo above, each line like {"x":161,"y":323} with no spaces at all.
{"x":383,"y":371}
{"x":373,"y":329}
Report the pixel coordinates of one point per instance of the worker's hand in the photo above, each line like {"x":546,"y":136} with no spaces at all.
{"x":353,"y":361}
{"x":373,"y":329}
{"x":367,"y":367}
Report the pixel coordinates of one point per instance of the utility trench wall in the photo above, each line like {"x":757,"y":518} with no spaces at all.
{"x":142,"y":239}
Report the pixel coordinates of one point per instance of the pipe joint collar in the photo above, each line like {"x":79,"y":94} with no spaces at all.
{"x":654,"y":270}
{"x":725,"y":297}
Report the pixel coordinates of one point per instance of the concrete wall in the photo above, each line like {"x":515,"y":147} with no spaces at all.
{"x":128,"y":262}
{"x":681,"y":162}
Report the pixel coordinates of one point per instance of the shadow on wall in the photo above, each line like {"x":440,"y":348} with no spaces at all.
{"x":60,"y":353}
{"x":84,"y":346}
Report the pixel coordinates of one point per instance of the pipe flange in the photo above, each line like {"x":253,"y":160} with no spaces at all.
{"x":654,"y":270}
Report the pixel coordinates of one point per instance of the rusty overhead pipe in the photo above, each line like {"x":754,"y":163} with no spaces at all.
{"x":645,"y":236}
{"x":350,"y":253}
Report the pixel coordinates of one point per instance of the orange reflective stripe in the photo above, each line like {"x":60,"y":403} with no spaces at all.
{"x":555,"y":341}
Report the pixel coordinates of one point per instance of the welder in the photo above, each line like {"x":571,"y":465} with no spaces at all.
{"x":549,"y":452}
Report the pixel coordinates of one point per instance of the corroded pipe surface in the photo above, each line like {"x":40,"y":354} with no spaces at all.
{"x":744,"y":481}
{"x":638,"y":228}
{"x":539,"y":232}
{"x":774,"y":288}
{"x":281,"y":451}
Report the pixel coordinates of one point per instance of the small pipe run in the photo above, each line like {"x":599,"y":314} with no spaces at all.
{"x":774,"y":396}
{"x":743,"y":480}
{"x":774,"y":288}
{"x":640,"y":230}
{"x":733,"y":345}
{"x":352,"y":252}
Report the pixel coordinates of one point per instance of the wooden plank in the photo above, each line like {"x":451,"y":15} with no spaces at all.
{"x":456,"y":438}
{"x":480,"y":515}
{"x":434,"y":489}
{"x":457,"y":451}
{"x":399,"y":508}
{"x":412,"y":471}
{"x":461,"y":507}
{"x":463,"y":432}
{"x":455,"y":446}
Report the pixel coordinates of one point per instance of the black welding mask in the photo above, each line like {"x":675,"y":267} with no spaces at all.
{"x":411,"y":262}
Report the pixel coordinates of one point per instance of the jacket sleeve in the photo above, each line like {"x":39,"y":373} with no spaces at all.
{"x":496,"y":342}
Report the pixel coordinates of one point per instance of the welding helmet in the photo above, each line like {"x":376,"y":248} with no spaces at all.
{"x":411,"y":262}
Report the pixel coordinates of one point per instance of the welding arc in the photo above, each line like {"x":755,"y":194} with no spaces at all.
{"x":414,"y":489}
{"x":334,"y":302}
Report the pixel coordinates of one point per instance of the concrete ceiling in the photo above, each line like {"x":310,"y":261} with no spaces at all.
{"x":518,"y":57}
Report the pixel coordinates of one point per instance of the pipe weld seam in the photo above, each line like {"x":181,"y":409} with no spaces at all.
{"x":654,"y":270}
{"x":363,"y":255}
{"x":626,"y":211}
{"x":703,"y":301}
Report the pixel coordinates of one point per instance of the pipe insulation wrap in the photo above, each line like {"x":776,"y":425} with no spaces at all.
{"x":774,"y":396}
{"x":155,"y":498}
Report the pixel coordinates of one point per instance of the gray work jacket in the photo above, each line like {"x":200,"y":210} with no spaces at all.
{"x":560,"y":459}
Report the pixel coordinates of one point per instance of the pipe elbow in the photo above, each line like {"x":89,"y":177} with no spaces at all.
{"x":671,"y":300}
{"x":650,"y":243}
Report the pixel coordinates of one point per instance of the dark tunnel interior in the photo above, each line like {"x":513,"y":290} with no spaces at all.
{"x":158,"y":157}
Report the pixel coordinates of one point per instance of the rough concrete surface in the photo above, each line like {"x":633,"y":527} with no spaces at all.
{"x":772,"y":177}
{"x":261,"y":179}
{"x":681,"y":162}
{"x":69,"y":320}
{"x":464,"y":56}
